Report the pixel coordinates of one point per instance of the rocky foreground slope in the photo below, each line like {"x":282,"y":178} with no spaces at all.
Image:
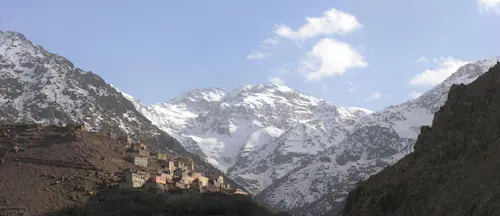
{"x":454,"y":167}
{"x":68,"y":171}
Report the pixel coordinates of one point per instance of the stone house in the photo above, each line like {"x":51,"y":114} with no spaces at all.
{"x":168,"y":165}
{"x":220,"y":180}
{"x":196,"y":174}
{"x":169,"y":176}
{"x":136,"y":179}
{"x":142,"y":146}
{"x":158,"y":179}
{"x":187,"y":180}
{"x":140,"y":161}
{"x":180,"y":165}
{"x":219,"y":183}
{"x":187,"y":162}
{"x":203,"y":181}
{"x":142,"y":153}
{"x":159,"y":156}
{"x":239,"y":191}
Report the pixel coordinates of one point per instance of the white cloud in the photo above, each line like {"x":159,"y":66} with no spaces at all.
{"x":422,"y":60}
{"x":277,"y":80}
{"x":270,"y":42}
{"x":350,"y":89}
{"x":332,"y":22}
{"x":414,"y":94}
{"x":431,"y":77}
{"x":329,"y":58}
{"x":489,"y":6}
{"x":257,"y":55}
{"x":374,"y":96}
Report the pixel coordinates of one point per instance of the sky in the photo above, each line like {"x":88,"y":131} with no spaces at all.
{"x":369,"y":54}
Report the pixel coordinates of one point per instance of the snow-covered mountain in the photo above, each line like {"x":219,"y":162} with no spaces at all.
{"x":375,"y":141}
{"x":41,"y":87}
{"x":241,"y":131}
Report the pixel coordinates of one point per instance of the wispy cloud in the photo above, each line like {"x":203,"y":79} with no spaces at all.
{"x":277,"y":80}
{"x":257,"y":55}
{"x":262,"y":52}
{"x":422,"y":60}
{"x":333,"y":21}
{"x":431,"y":77}
{"x":270,"y":42}
{"x":351,"y":89}
{"x":329,"y":58}
{"x":414,"y":94}
{"x":374,"y":96}
{"x":486,"y":6}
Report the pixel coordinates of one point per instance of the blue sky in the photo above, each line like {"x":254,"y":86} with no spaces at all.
{"x":352,"y":53}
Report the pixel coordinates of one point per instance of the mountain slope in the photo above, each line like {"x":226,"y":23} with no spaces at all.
{"x":240,"y":130}
{"x":41,"y":87}
{"x":454,"y":168}
{"x":376,"y":141}
{"x":295,"y":148}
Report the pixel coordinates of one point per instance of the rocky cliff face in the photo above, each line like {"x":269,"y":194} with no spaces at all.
{"x":454,"y":167}
{"x":374,"y":142}
{"x":37,"y":86}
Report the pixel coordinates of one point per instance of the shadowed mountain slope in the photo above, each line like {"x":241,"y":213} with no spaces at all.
{"x":454,"y":167}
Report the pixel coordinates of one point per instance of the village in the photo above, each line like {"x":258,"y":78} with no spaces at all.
{"x":161,"y":172}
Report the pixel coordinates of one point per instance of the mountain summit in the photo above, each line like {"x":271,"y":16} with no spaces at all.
{"x":239,"y":131}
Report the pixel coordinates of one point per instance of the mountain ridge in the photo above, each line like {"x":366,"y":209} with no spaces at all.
{"x":376,"y":141}
{"x":452,"y":170}
{"x":235,"y":128}
{"x":41,"y":87}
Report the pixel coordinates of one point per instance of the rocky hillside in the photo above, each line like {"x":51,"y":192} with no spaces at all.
{"x":376,"y":141}
{"x":257,"y":133}
{"x":454,"y":167}
{"x":57,"y":167}
{"x":68,"y":171}
{"x":37,"y":86}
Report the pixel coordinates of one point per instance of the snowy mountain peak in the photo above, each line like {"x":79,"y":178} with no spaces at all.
{"x":196,"y":95}
{"x":242,"y":129}
{"x":37,"y":86}
{"x":376,"y":140}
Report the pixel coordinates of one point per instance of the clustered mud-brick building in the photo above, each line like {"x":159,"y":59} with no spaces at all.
{"x":162,"y":172}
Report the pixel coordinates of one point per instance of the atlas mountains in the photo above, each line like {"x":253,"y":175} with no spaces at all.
{"x":294,"y":152}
